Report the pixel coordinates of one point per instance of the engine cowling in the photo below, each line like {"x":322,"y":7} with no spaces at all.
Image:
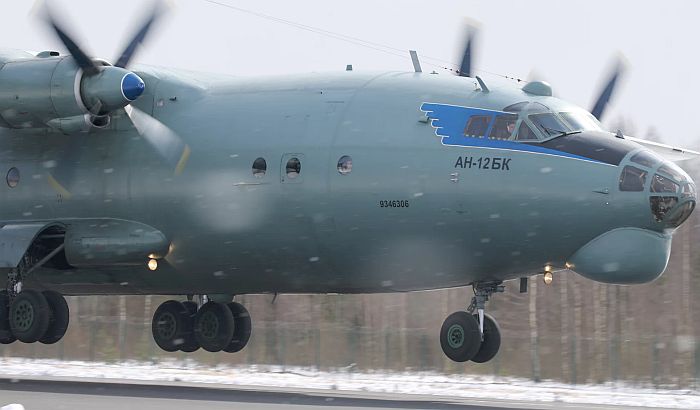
{"x":54,"y":92}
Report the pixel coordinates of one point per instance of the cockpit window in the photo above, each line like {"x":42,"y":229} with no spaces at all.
{"x":663,"y":185}
{"x":503,"y":127}
{"x":580,"y":121}
{"x":537,"y":107}
{"x":525,"y":133}
{"x":548,"y":124}
{"x":646,"y":158}
{"x":477,"y":126}
{"x":632,"y":179}
{"x":689,"y":190}
{"x":681,"y":214}
{"x":674,"y":172}
{"x":517,"y":107}
{"x":662,"y":205}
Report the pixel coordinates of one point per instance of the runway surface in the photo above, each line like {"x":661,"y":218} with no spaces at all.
{"x":78,"y":395}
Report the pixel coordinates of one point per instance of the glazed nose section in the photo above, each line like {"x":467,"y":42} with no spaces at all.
{"x":673,"y":196}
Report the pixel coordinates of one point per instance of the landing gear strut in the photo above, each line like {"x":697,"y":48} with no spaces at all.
{"x":472,"y":336}
{"x":185,"y":326}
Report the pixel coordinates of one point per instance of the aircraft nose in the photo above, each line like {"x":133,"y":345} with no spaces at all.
{"x":673,"y":196}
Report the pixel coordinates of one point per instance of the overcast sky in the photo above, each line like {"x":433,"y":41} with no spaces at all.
{"x":571,"y":44}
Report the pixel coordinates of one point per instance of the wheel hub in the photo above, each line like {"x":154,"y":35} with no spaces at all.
{"x":209,"y":325}
{"x":23,"y":317}
{"x":167,"y":326}
{"x":455,"y":336}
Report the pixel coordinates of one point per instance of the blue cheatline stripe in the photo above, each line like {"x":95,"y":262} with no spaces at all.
{"x":449,"y":122}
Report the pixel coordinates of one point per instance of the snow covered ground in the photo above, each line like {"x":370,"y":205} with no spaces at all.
{"x":437,"y":385}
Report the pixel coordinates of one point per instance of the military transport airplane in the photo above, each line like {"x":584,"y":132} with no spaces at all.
{"x":150,"y":181}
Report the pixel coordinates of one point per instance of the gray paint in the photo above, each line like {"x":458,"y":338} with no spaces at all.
{"x":232,"y":232}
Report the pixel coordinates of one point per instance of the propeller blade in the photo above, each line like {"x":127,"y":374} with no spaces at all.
{"x":608,"y":91}
{"x":83,"y":60}
{"x":62,"y":171}
{"x":139,"y":37}
{"x":465,"y":69}
{"x":174,"y":151}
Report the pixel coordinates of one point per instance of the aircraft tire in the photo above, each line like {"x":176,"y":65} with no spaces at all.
{"x":460,"y":338}
{"x":190,"y":343}
{"x":169,"y":324}
{"x":29,"y":316}
{"x":214,"y":326}
{"x":59,"y":316}
{"x":491,"y":341}
{"x":241,"y":329}
{"x":6,"y":336}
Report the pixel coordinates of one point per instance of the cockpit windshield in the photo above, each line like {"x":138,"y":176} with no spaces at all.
{"x":548,"y":124}
{"x":581,"y":121}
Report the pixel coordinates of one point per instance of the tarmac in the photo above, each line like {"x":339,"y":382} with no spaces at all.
{"x":77,"y":394}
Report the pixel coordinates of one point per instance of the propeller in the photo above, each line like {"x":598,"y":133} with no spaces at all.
{"x":608,"y":90}
{"x":105,"y":89}
{"x":465,"y":68}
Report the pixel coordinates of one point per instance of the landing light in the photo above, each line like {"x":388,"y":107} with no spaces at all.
{"x":548,"y":278}
{"x":152,"y":264}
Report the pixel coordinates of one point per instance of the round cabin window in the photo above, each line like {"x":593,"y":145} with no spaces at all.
{"x":293,"y":168}
{"x":345,"y":165}
{"x":259,"y":167}
{"x":12,"y":177}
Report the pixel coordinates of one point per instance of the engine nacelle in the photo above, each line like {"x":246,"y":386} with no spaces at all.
{"x":54,"y":92}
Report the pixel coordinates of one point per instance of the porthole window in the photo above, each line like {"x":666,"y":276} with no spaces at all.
{"x":12,"y":177}
{"x":259,"y":167}
{"x":293,"y":168}
{"x":345,"y":165}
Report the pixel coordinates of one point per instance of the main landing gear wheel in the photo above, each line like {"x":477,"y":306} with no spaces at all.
{"x":241,"y":329}
{"x":59,"y":315}
{"x":214,"y":326}
{"x":6,"y":336}
{"x":171,"y":323}
{"x":29,"y":316}
{"x":460,"y":338}
{"x":189,"y":341}
{"x":491,"y":340}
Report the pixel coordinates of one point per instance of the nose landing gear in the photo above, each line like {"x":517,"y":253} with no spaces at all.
{"x":214,"y":326}
{"x":467,"y":336}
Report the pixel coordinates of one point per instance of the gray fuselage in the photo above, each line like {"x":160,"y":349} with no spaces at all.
{"x":233,"y":232}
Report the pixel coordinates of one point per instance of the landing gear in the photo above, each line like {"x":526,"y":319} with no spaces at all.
{"x":171,"y":325}
{"x":6,"y":336}
{"x":214,"y":326}
{"x":242,"y":327}
{"x":59,"y":316}
{"x":460,"y":337}
{"x":29,"y":316}
{"x":33,"y":316}
{"x":466,"y":336}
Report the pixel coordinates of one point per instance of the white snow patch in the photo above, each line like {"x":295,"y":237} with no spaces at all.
{"x":421,"y":383}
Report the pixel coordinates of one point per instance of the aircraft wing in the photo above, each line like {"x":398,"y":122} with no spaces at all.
{"x":669,"y":152}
